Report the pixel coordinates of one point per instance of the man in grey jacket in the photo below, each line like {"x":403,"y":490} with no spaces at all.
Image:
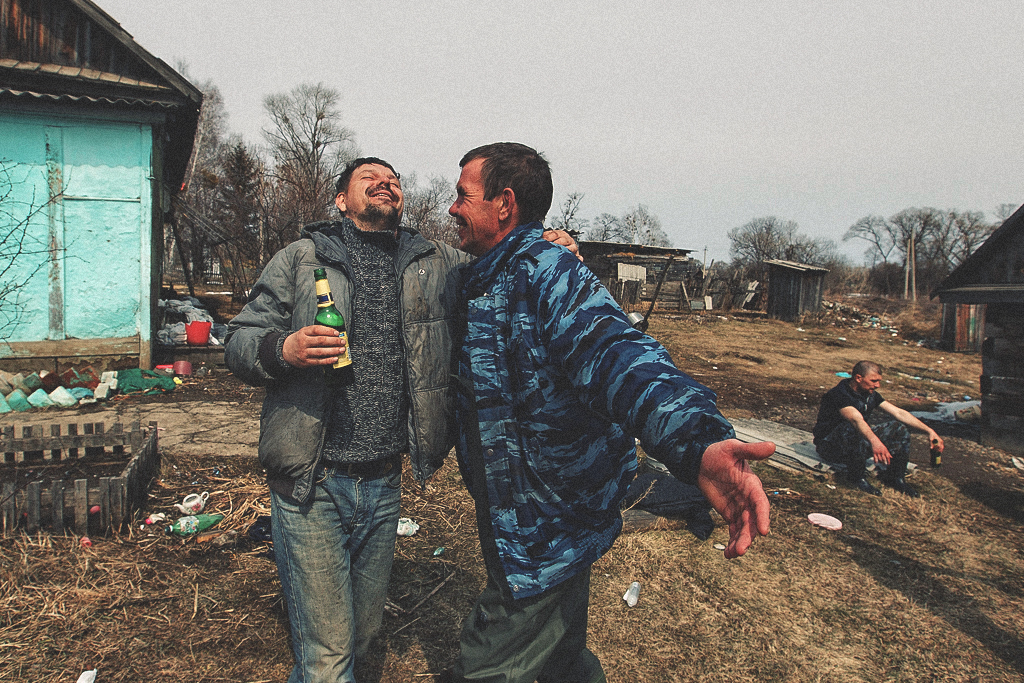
{"x":333,"y":455}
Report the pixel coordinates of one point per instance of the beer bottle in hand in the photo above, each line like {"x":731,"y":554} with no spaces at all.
{"x":341,"y":372}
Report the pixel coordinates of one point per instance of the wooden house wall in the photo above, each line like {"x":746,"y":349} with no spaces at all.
{"x":1002,"y":378}
{"x":90,"y":295}
{"x":963,"y":327}
{"x":59,"y":33}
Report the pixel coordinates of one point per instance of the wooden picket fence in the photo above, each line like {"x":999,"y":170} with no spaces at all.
{"x":33,"y":507}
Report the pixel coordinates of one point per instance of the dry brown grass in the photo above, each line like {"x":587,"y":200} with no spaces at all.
{"x":909,"y":590}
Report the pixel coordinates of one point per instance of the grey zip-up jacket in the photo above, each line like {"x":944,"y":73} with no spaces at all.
{"x":284,"y":300}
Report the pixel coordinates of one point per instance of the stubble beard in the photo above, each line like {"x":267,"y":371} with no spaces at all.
{"x":380,"y":218}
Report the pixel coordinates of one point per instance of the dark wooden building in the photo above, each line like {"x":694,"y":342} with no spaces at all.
{"x":794,"y":289}
{"x":994,"y":276}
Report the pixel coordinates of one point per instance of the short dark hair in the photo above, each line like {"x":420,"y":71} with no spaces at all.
{"x":350,"y":168}
{"x":518,"y":167}
{"x":863,"y":367}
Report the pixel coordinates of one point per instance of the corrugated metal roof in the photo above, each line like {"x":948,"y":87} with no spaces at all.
{"x":79,"y":73}
{"x":85,"y":98}
{"x":793,"y":265}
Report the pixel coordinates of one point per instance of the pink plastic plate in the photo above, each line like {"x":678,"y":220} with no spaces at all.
{"x":824,"y":521}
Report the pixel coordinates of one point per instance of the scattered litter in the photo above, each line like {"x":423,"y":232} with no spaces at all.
{"x":94,"y":510}
{"x":86,"y":542}
{"x":1017,"y":462}
{"x":632,"y":594}
{"x":439,"y":552}
{"x":824,"y":521}
{"x":719,"y":546}
{"x":844,"y":375}
{"x":967,"y":411}
{"x":831,"y":486}
{"x":407,"y":527}
{"x":87,"y":677}
{"x":193,"y":503}
{"x":156,"y":518}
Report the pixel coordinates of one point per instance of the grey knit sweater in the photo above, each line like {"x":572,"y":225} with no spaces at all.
{"x":369,"y":416}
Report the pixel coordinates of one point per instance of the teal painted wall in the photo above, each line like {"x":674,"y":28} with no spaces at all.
{"x":98,"y":286}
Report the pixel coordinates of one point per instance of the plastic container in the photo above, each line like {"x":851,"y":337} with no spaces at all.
{"x":633,"y":594}
{"x":197,"y":333}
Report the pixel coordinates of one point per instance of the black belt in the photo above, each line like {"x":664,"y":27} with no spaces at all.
{"x":374,"y":469}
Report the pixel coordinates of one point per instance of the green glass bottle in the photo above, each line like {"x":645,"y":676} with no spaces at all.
{"x":341,"y":373}
{"x":186,"y":526}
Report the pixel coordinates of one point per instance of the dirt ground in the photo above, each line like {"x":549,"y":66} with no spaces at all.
{"x":910,"y":590}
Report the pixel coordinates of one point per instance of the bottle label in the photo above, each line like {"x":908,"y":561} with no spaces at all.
{"x":323,"y":294}
{"x":189,"y":525}
{"x":344,"y":359}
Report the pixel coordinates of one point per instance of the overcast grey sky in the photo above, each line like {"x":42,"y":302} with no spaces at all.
{"x":709,"y":113}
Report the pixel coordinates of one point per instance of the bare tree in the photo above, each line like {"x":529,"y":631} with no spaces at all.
{"x":568,"y":218}
{"x":761,"y":239}
{"x":880,"y":235}
{"x":640,"y":226}
{"x":426,"y":208}
{"x":309,"y":147}
{"x":1004,"y":211}
{"x":603,"y":228}
{"x":22,"y":253}
{"x":637,"y":226}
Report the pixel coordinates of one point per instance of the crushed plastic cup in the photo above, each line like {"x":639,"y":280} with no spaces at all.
{"x":86,"y":542}
{"x":632,"y":594}
{"x":407,"y":527}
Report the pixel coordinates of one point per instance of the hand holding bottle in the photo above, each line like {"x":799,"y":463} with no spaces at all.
{"x":313,"y":345}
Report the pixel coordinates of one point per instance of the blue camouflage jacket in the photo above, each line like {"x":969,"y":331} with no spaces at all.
{"x":561,"y":385}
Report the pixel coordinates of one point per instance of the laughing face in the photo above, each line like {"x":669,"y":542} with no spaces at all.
{"x":374,"y":199}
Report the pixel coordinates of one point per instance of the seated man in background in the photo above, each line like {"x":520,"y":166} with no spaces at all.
{"x":842,"y":432}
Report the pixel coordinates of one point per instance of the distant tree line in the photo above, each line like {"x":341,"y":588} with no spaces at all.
{"x":908,"y":254}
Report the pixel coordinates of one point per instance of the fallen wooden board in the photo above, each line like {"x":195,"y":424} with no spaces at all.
{"x":794,"y":448}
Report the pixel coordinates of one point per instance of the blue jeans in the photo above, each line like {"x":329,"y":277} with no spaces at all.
{"x":334,"y":557}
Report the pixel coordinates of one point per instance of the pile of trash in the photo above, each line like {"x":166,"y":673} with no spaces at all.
{"x":20,"y":392}
{"x":177,"y":313}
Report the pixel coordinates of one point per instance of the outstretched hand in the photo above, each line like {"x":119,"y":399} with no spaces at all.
{"x":735,"y":491}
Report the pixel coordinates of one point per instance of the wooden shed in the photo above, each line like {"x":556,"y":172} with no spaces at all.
{"x":95,"y":137}
{"x":794,"y":289}
{"x":994,"y":275}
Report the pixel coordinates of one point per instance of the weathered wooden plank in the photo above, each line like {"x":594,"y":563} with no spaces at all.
{"x":57,"y":505}
{"x":136,"y":437}
{"x":72,"y":436}
{"x":7,"y":506}
{"x":117,"y":502}
{"x":104,"y":502}
{"x":6,"y":435}
{"x":33,"y":503}
{"x":111,"y":346}
{"x":81,"y":506}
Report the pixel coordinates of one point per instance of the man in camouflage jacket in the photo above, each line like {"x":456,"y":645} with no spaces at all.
{"x":556,"y":385}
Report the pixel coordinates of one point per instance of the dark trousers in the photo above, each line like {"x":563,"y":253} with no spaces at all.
{"x":542,"y":638}
{"x":845,"y":444}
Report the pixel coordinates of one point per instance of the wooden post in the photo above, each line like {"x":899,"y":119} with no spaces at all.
{"x":55,"y":453}
{"x":57,"y":502}
{"x":104,"y":502}
{"x":73,"y":438}
{"x":33,"y":501}
{"x":81,"y":506}
{"x":7,"y":505}
{"x":8,"y":436}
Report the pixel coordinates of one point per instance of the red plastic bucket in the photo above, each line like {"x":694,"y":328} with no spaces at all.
{"x":197,"y":333}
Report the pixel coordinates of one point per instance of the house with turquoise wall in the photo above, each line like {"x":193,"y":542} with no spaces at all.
{"x":96,"y":136}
